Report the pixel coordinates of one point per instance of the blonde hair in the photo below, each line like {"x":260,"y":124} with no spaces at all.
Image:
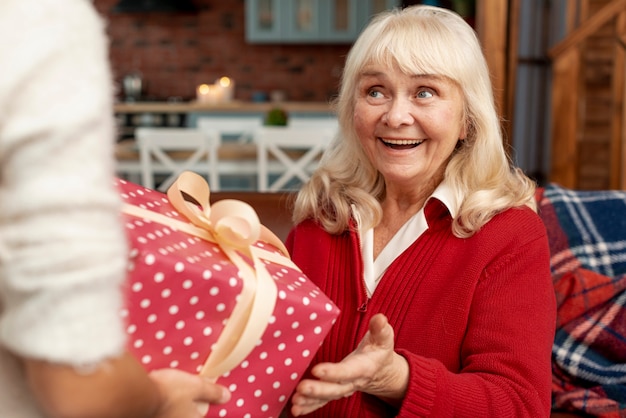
{"x":418,"y":40}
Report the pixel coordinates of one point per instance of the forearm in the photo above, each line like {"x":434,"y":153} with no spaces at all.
{"x":116,"y":388}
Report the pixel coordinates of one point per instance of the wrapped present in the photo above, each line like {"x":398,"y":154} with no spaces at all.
{"x":212,"y":291}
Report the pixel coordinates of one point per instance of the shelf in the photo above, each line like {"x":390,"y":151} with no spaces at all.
{"x":230,"y":107}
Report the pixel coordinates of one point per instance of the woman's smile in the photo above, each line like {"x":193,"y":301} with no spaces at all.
{"x":401,"y":144}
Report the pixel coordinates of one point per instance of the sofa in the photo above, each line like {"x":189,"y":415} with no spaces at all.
{"x":587,"y":237}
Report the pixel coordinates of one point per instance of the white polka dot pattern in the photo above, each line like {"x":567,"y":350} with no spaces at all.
{"x":180,"y":293}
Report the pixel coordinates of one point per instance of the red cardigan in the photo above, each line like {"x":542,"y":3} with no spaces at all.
{"x":475,"y":317}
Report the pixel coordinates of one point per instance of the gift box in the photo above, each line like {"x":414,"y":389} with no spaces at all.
{"x":212,"y":291}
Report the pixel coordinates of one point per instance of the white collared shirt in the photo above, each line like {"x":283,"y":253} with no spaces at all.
{"x":373,"y":269}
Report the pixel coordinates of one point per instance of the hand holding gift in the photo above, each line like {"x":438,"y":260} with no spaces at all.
{"x":185,"y":394}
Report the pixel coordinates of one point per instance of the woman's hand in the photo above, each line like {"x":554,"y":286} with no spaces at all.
{"x":186,"y":395}
{"x":372,"y":368}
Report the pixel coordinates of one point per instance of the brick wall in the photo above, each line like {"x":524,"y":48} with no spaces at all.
{"x":176,"y":52}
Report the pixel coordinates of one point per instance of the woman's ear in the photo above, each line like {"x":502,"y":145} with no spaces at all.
{"x":464,"y":129}
{"x":467,"y":127}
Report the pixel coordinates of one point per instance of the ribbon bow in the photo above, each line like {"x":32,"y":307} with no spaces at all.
{"x":232,"y":223}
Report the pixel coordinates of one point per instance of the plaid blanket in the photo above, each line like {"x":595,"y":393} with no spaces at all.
{"x":587,"y":234}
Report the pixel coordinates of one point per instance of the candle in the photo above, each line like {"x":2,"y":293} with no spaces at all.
{"x":228,"y":88}
{"x":209,"y":93}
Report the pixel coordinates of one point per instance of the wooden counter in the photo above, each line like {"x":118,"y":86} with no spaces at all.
{"x":230,"y":107}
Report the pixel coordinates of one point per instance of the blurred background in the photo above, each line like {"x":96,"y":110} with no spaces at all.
{"x":558,"y":66}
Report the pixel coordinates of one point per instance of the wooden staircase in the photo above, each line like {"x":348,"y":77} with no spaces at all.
{"x":588,"y":88}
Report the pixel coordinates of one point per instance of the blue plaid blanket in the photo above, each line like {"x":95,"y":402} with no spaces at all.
{"x":587,"y":235}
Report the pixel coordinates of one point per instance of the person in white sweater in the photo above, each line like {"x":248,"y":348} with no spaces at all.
{"x":62,"y":246}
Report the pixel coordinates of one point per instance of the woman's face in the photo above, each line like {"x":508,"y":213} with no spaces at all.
{"x":408,"y":125}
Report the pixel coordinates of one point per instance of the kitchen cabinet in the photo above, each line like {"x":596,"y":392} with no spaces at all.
{"x":310,"y":21}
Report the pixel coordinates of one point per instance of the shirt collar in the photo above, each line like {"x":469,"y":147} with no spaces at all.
{"x":373,"y":270}
{"x":446,"y":195}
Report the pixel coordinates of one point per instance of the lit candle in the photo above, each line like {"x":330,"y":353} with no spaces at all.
{"x":228,"y":88}
{"x":209,"y":93}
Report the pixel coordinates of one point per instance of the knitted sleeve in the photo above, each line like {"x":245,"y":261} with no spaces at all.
{"x":63,"y":248}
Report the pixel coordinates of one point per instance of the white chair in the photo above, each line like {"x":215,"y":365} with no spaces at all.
{"x":295,"y":149}
{"x":233,"y":137}
{"x":238,"y":128}
{"x":170,"y":151}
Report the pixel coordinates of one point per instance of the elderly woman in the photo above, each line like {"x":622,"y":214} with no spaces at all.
{"x":420,"y":229}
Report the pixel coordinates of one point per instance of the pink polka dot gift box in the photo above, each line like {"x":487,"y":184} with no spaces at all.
{"x":212,"y":291}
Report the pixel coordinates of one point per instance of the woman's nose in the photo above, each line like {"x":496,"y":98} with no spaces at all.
{"x":399,"y":113}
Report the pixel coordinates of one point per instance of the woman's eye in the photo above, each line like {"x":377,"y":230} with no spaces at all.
{"x":424,"y":94}
{"x":375,"y":94}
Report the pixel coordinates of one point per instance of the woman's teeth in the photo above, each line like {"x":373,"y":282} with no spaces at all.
{"x":402,"y":141}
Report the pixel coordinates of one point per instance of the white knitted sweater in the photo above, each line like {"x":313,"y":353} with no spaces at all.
{"x":62,"y":248}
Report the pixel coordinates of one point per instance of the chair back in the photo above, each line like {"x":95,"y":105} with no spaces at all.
{"x":234,"y":141}
{"x":167,"y":152}
{"x":288,"y":154}
{"x":237,"y":128}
